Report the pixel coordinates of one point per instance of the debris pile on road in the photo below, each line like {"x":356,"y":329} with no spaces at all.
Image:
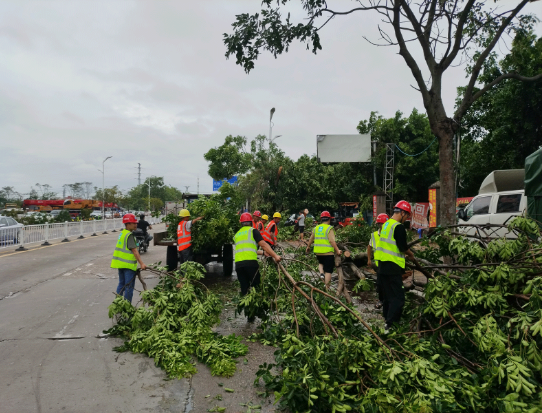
{"x":174,"y":325}
{"x":218,"y":228}
{"x":470,"y":342}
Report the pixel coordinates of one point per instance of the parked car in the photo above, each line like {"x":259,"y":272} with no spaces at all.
{"x":96,"y":214}
{"x":108,"y":214}
{"x":9,"y":230}
{"x":55,"y":213}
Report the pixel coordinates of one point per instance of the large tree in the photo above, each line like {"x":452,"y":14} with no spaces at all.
{"x":446,"y":32}
{"x":505,"y":125}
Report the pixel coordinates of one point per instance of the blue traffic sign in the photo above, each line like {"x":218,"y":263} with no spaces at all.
{"x":218,"y":184}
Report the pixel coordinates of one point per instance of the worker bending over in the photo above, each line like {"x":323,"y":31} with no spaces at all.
{"x":258,"y":224}
{"x":372,"y":249}
{"x":126,"y":256}
{"x":392,"y":249}
{"x":246,"y":241}
{"x":325,"y":247}
{"x":184,"y":236}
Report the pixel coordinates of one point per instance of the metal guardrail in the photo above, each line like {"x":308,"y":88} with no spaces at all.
{"x":32,"y":234}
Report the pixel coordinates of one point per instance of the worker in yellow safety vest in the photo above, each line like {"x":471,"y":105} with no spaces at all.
{"x":246,"y":242}
{"x":125,"y":258}
{"x":184,"y":236}
{"x":325,"y":247}
{"x":392,"y":249}
{"x":371,"y":249}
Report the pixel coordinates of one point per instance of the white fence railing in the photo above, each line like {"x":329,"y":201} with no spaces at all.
{"x":32,"y":234}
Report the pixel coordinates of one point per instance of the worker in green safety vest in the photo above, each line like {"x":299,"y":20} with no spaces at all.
{"x":325,"y":247}
{"x":371,"y":249}
{"x":246,"y":241}
{"x":125,"y":258}
{"x":392,"y":250}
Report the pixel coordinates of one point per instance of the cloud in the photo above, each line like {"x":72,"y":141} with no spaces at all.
{"x":148,"y":82}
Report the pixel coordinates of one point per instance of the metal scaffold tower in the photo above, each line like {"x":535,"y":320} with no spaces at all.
{"x":388,"y":176}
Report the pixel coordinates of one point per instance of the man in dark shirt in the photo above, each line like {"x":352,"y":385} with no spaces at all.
{"x":143,"y":225}
{"x":393,"y":249}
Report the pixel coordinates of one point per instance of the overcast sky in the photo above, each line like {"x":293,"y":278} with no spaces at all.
{"x":147,"y":81}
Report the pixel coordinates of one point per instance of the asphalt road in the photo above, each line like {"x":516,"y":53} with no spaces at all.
{"x":53,"y":307}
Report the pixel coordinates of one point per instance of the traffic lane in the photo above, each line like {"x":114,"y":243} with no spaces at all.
{"x":20,"y":271}
{"x":53,"y":358}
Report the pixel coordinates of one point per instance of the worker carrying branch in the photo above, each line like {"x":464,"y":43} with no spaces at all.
{"x":126,"y":256}
{"x":371,"y":249}
{"x":184,"y":236}
{"x":392,"y":249}
{"x":272,"y":230}
{"x":325,"y":247}
{"x":246,"y":241}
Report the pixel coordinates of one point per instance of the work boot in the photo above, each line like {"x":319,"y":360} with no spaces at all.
{"x":378,"y":305}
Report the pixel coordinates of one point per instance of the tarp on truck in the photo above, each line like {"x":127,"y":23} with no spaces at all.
{"x":504,"y":180}
{"x":533,"y":184}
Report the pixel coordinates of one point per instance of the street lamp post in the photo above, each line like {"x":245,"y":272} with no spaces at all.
{"x":149,"y":185}
{"x":271,"y":112}
{"x":103,"y":186}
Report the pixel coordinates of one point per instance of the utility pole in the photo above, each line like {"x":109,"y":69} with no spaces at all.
{"x":198,"y":184}
{"x":139,"y":174}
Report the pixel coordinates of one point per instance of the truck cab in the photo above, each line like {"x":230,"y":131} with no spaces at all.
{"x":501,"y":198}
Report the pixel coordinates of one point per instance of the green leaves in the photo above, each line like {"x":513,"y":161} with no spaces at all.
{"x":175,"y":326}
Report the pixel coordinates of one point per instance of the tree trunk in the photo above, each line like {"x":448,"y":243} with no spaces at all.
{"x":445,"y":134}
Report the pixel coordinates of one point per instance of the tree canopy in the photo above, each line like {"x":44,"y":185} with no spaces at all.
{"x":446,"y":32}
{"x":505,"y":125}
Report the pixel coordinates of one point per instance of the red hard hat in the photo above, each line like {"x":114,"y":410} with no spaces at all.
{"x":405,"y":206}
{"x":129,"y":218}
{"x":257,"y":214}
{"x":325,"y":214}
{"x":382,"y":218}
{"x":245,"y":217}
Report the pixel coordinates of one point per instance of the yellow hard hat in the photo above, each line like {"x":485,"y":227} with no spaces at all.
{"x":184,"y":213}
{"x":277,"y":215}
{"x":265,"y":217}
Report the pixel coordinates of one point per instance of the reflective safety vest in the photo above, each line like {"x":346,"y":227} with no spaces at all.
{"x":184,"y":237}
{"x":321,"y":239}
{"x":245,"y":245}
{"x":267,"y":233}
{"x":375,"y":237}
{"x":258,"y":225}
{"x":122,"y":256}
{"x":387,"y":246}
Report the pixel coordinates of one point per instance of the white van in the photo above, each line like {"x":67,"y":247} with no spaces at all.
{"x":501,"y":197}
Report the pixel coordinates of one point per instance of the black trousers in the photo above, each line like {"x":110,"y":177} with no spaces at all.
{"x":185,"y":255}
{"x":393,"y":294}
{"x":248,"y":277}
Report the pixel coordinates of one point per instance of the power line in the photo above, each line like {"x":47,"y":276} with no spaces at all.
{"x":419,"y":152}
